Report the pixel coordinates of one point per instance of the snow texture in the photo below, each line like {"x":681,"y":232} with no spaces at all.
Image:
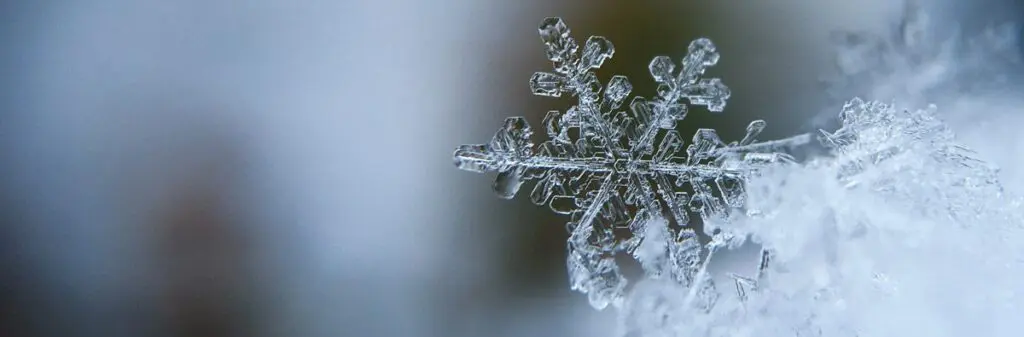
{"x":897,"y":229}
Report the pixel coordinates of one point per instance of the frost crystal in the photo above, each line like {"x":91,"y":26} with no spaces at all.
{"x":885,"y":148}
{"x":617,"y":168}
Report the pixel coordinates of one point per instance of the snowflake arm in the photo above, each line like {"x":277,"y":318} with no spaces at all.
{"x":667,"y":109}
{"x":574,"y":75}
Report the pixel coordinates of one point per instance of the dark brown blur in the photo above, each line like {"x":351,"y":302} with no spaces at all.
{"x":204,"y":260}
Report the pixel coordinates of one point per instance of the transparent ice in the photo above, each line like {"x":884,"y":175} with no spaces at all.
{"x":897,"y":230}
{"x":626,"y":164}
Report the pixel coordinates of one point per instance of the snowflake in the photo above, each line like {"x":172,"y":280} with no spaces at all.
{"x":605,"y":167}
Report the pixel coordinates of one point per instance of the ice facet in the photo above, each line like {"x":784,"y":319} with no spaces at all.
{"x":661,"y":68}
{"x":547,"y":84}
{"x":732,"y":190}
{"x":704,"y":142}
{"x":711,"y":93}
{"x":596,"y":51}
{"x":617,"y":90}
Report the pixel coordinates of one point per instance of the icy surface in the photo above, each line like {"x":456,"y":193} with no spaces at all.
{"x":897,"y":230}
{"x":900,"y":231}
{"x":627,"y":165}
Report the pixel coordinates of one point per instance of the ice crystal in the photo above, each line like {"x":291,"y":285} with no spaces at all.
{"x":875,"y":134}
{"x":614,"y":177}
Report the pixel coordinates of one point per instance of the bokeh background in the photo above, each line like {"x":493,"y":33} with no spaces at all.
{"x":283,"y":168}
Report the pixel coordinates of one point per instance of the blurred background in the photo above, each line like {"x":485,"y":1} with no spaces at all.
{"x":283,"y":168}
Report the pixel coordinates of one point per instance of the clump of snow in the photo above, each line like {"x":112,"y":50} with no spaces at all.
{"x":898,"y":231}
